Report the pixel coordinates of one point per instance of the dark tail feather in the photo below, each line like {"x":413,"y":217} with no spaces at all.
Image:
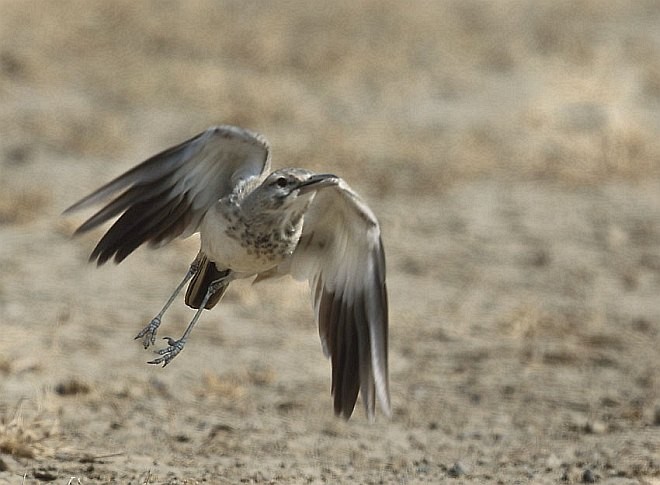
{"x":207,"y":274}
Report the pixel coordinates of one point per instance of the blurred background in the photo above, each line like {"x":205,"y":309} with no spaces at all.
{"x":511,"y":150}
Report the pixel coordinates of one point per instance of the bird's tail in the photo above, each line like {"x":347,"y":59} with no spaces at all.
{"x":199,"y":285}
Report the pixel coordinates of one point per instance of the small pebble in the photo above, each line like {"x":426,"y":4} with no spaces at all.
{"x":47,"y":474}
{"x":71,"y":388}
{"x":588,"y":476}
{"x":595,"y":427}
{"x":457,"y":470}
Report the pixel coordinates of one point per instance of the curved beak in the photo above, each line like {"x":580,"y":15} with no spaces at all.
{"x":317,"y":181}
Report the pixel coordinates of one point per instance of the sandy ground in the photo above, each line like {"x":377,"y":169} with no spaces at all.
{"x":512,"y":152}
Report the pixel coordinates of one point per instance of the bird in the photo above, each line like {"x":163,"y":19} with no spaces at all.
{"x":258,"y":224}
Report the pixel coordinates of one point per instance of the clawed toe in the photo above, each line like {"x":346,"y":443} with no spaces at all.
{"x":168,"y":353}
{"x":171,"y":342}
{"x":148,"y":333}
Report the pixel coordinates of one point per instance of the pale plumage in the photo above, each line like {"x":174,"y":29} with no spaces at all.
{"x":312,"y":226}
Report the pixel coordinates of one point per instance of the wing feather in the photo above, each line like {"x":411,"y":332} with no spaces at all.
{"x":341,"y":254}
{"x":168,"y":195}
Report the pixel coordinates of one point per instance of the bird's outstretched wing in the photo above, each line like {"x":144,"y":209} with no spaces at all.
{"x":341,"y":254}
{"x":168,"y":195}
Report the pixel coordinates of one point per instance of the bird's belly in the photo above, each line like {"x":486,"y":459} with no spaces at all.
{"x":228,"y":248}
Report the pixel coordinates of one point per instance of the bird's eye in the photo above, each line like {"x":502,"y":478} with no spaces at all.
{"x":281,"y":182}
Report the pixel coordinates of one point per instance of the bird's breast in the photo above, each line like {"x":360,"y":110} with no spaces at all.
{"x":231,"y":242}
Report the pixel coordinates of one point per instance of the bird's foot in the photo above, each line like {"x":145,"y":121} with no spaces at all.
{"x":148,"y":333}
{"x":175,"y":346}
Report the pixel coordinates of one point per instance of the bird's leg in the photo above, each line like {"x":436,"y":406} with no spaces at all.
{"x":176,"y":346}
{"x":148,"y":333}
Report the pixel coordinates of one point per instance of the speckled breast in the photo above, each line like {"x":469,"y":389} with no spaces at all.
{"x":247,"y":248}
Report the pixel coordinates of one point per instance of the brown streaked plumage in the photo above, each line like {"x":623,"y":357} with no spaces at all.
{"x":251,"y":223}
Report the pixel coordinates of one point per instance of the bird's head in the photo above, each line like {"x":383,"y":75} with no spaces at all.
{"x":290,"y":188}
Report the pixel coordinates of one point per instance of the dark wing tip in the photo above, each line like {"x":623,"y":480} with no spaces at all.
{"x":349,"y":295}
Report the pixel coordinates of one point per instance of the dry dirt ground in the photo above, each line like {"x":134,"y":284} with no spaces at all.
{"x":511,"y":150}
